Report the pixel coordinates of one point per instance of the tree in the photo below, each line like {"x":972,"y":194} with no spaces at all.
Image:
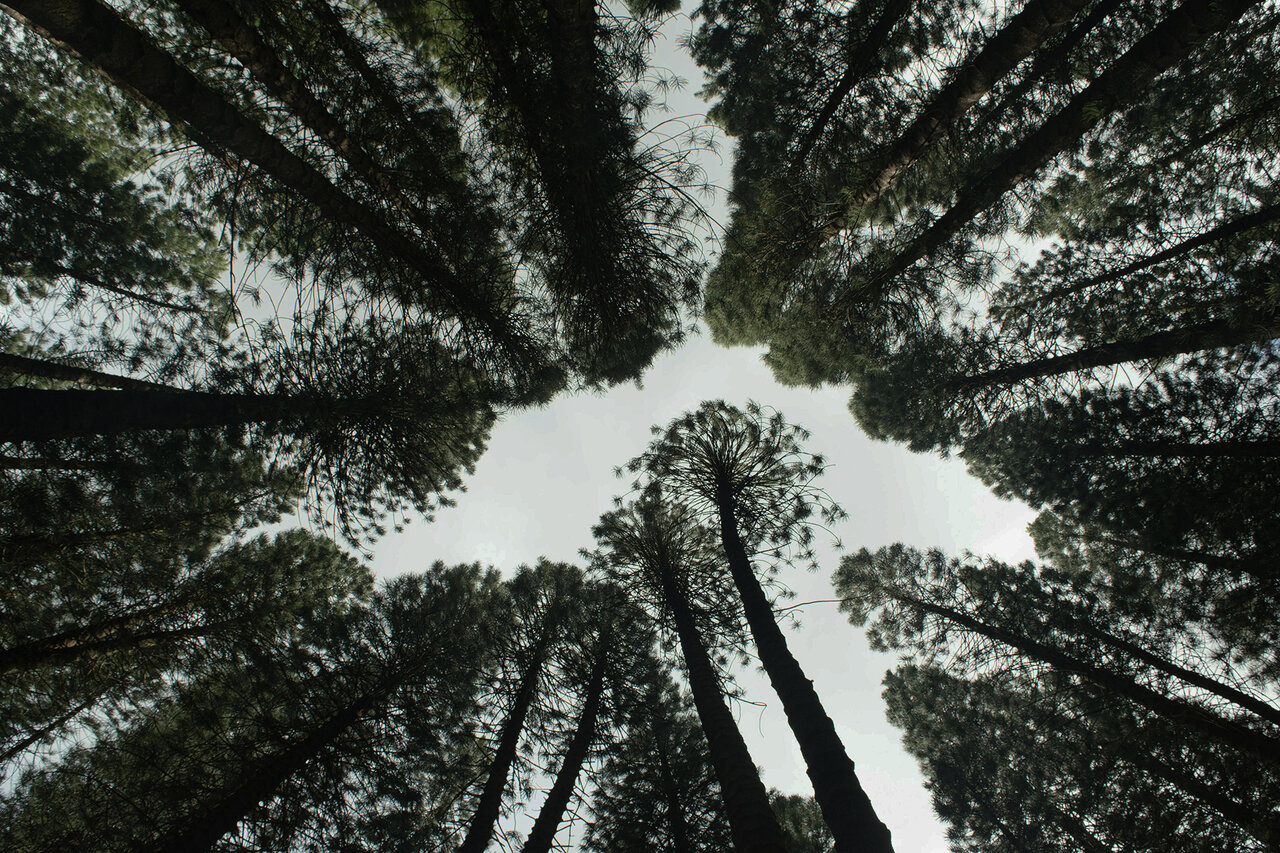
{"x":745,"y":474}
{"x":658,"y":550}
{"x":295,"y":739}
{"x":919,"y":600}
{"x":1025,"y":767}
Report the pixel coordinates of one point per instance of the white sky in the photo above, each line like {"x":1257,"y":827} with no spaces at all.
{"x":548,"y":475}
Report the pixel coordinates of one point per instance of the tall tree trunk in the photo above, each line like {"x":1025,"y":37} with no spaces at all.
{"x":42,"y":415}
{"x":752,"y":824}
{"x":44,"y":731}
{"x":207,"y":826}
{"x":1183,"y":30}
{"x":862,"y":58}
{"x":96,"y":34}
{"x":1019,"y":38}
{"x":676,"y":816}
{"x":543,"y":833}
{"x":39,"y":368}
{"x":1213,"y":334}
{"x":845,"y":806}
{"x":20,"y":659}
{"x":488,"y":807}
{"x":1239,"y":225}
{"x":1245,"y":449}
{"x":1212,"y":725}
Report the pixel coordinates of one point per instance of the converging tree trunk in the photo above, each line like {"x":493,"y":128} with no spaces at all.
{"x":751,"y":821}
{"x":845,"y":806}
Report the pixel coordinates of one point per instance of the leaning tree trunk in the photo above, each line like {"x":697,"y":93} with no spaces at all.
{"x":846,"y":808}
{"x":1213,"y":334}
{"x":544,"y":829}
{"x":20,"y":659}
{"x":212,"y":823}
{"x":98,"y":35}
{"x":1019,"y":38}
{"x":1208,"y":723}
{"x":752,"y":824}
{"x":489,"y":805}
{"x":1183,"y":30}
{"x":42,"y":415}
{"x":39,"y":368}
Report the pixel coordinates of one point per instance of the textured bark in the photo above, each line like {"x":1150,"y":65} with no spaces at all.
{"x":1019,"y":38}
{"x":861,"y":59}
{"x":39,"y":368}
{"x":206,"y":828}
{"x":1183,"y":30}
{"x":752,"y":824}
{"x":1208,"y":723}
{"x":543,"y":833}
{"x":1259,"y":217}
{"x":96,"y":34}
{"x":489,"y":805}
{"x":42,"y":415}
{"x":1259,"y":449}
{"x":845,"y":806}
{"x":1213,"y":334}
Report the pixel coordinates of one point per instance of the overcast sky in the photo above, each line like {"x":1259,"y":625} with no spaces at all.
{"x":548,"y":475}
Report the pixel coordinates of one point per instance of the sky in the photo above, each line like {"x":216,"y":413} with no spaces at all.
{"x":548,"y":476}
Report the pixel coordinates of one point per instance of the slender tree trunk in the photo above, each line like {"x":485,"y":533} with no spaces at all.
{"x":845,"y":806}
{"x":489,"y":805}
{"x":1213,"y":334}
{"x":45,"y":463}
{"x":1019,"y":38}
{"x":1259,"y":449}
{"x":1259,"y":217}
{"x":39,"y":368}
{"x":543,"y":833}
{"x":96,"y":34}
{"x":206,"y":827}
{"x":1168,"y":667}
{"x":20,"y":659}
{"x":1074,"y":827}
{"x":680,"y":833}
{"x":1227,"y":731}
{"x":44,"y":731}
{"x":861,"y":58}
{"x":43,"y":415}
{"x":1183,"y":30}
{"x":752,"y":824}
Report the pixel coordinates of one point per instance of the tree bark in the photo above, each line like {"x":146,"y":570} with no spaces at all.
{"x":846,"y":808}
{"x":40,"y":368}
{"x":1208,"y":723}
{"x":543,"y":833}
{"x":207,"y":827}
{"x":1019,"y":38}
{"x":752,"y":825}
{"x":1212,"y":334}
{"x":1168,"y":43}
{"x":489,"y":805}
{"x":861,"y":59}
{"x":96,"y":34}
{"x":43,"y":415}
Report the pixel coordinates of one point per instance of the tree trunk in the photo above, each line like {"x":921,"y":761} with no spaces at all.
{"x":1075,"y":828}
{"x":1128,"y":77}
{"x":1213,"y":334}
{"x":543,"y":833}
{"x":46,"y":463}
{"x":44,"y":731}
{"x":752,"y":825}
{"x":1248,"y":222}
{"x":39,"y":368}
{"x":1208,"y":723}
{"x":43,"y":415}
{"x":96,"y":34}
{"x":1259,"y":449}
{"x":861,"y":58}
{"x":680,"y":833}
{"x":490,"y":803}
{"x":1019,"y":38}
{"x":845,"y":806}
{"x":25,"y":658}
{"x":206,"y":828}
